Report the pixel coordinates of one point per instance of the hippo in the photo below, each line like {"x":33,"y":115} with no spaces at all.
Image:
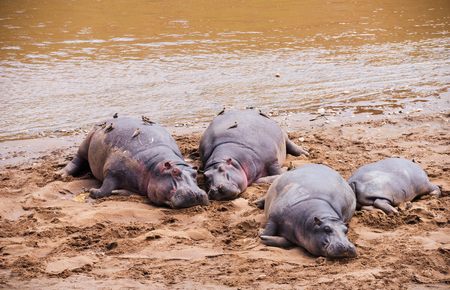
{"x":140,"y":156}
{"x":238,"y":148}
{"x":310,"y":207}
{"x":390,"y":182}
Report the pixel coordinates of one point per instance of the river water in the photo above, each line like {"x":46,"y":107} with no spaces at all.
{"x":67,"y":64}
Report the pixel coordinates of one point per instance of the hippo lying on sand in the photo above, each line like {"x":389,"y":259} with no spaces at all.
{"x":140,"y":156}
{"x":238,"y":148}
{"x":389,"y":182}
{"x":309,"y":207}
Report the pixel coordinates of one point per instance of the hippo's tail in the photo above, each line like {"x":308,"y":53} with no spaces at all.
{"x":79,"y":163}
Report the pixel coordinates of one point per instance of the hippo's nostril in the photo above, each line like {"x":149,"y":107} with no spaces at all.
{"x":342,"y":248}
{"x":203,"y":199}
{"x":212,"y":192}
{"x":351,"y":251}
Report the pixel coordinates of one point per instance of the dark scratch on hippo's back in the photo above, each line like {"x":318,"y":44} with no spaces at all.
{"x":233,"y":126}
{"x":264,"y":115}
{"x":102,"y":125}
{"x":109,"y":128}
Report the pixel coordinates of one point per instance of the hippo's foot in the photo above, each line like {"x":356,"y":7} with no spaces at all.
{"x":74,"y":167}
{"x":436,"y":191}
{"x":62,"y":173}
{"x":260,"y":203}
{"x":275,"y":241}
{"x":294,"y":149}
{"x":109,"y":184}
{"x":385,"y":206}
{"x":269,"y":238}
{"x":267,"y":179}
{"x":98,"y":193}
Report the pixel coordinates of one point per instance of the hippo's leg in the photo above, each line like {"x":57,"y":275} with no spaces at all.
{"x":74,"y":167}
{"x":294,"y":149}
{"x":80,"y":162}
{"x":385,"y":206}
{"x":269,"y":238}
{"x":109,"y":184}
{"x":123,"y":192}
{"x":358,"y":206}
{"x":275,"y":241}
{"x":273,"y":171}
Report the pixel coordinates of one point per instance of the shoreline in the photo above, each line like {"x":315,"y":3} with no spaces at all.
{"x":17,"y":149}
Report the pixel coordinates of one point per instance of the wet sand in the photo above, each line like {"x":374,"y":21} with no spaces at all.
{"x":52,"y":236}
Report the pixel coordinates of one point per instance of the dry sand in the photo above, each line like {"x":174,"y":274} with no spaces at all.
{"x":52,"y":237}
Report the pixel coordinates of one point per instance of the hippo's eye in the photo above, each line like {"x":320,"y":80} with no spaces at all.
{"x":327,"y":229}
{"x":194,"y":175}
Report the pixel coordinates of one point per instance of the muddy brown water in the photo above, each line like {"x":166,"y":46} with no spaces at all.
{"x":67,"y":64}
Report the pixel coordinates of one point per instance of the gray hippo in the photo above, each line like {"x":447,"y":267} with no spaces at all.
{"x":140,"y":156}
{"x":310,"y":207}
{"x":389,"y":182}
{"x":240,"y":147}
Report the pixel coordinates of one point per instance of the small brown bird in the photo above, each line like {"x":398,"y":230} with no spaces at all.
{"x":115,"y":115}
{"x":136,"y":133}
{"x":147,"y":120}
{"x":221,"y":112}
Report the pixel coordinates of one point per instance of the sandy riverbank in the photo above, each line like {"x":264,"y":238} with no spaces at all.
{"x":52,"y":237}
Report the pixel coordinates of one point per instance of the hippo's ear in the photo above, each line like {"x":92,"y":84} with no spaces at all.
{"x":167,"y":165}
{"x":176,"y":172}
{"x":229,"y":161}
{"x":317,"y":221}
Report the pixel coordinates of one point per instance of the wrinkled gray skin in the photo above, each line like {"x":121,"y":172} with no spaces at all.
{"x":146,"y":161}
{"x":390,"y":182}
{"x":240,"y":147}
{"x":310,"y":207}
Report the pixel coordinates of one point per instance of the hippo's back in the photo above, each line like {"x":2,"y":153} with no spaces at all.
{"x":310,"y":182}
{"x":394,"y":179}
{"x":135,"y":135}
{"x":128,"y":137}
{"x":399,"y":167}
{"x":249,"y":128}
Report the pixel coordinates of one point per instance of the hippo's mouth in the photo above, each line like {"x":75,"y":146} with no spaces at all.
{"x":229,"y":191}
{"x":188,"y":200}
{"x":340,"y":251}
